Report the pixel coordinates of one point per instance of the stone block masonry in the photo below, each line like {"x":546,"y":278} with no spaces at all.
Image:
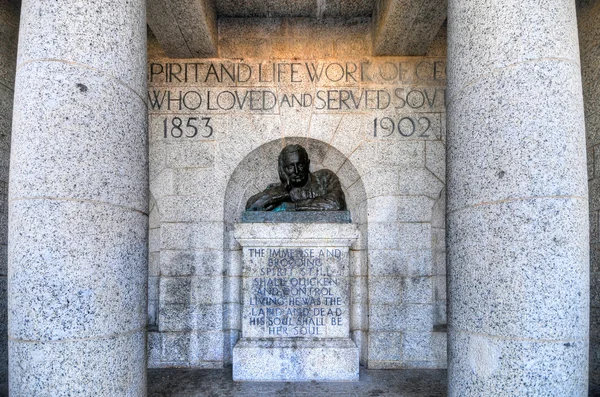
{"x":216,"y":128}
{"x":296,"y":304}
{"x":86,"y":237}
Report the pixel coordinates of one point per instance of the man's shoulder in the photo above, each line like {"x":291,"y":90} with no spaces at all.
{"x":325,"y":174}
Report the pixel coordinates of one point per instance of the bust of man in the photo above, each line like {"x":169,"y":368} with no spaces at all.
{"x":300,"y":189}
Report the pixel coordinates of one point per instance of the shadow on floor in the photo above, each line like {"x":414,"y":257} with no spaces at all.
{"x":219,"y":383}
{"x":372,"y":383}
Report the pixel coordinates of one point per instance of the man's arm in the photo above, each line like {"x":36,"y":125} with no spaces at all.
{"x":333,"y":200}
{"x":268,"y":199}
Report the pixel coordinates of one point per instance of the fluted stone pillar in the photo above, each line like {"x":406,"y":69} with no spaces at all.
{"x":517,"y":200}
{"x":78,"y":201}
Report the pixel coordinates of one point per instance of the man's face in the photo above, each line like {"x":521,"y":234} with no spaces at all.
{"x":296,"y":168}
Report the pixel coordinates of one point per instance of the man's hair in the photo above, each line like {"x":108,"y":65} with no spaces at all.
{"x":288,"y":150}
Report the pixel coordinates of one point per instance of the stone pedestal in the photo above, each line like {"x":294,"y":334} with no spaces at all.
{"x":296,"y":303}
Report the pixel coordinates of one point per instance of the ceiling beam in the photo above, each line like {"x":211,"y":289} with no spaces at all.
{"x":403,"y":27}
{"x":184,"y":28}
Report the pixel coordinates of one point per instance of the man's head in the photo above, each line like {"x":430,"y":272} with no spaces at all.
{"x":293,"y":166}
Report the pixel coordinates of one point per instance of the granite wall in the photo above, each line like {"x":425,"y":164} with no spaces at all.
{"x":254,"y":173}
{"x":216,"y":127}
{"x":9,"y":30}
{"x":588,"y":15}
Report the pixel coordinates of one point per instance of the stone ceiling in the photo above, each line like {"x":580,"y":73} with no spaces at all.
{"x":295,"y":8}
{"x":189,"y":28}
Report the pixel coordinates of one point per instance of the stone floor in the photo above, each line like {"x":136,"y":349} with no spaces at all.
{"x":373,"y":383}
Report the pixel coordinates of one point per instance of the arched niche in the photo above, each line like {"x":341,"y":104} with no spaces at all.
{"x":252,"y":175}
{"x":259,"y":168}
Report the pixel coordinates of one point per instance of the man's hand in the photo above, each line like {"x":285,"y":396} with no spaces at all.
{"x":285,"y":207}
{"x":268,"y":199}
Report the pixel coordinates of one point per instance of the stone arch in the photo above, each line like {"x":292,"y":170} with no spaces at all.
{"x":153,"y":262}
{"x":438,"y":252}
{"x":258,"y":169}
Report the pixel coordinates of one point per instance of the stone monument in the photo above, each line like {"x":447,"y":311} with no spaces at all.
{"x":296,"y":289}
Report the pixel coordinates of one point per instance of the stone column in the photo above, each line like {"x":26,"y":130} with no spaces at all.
{"x":78,"y":201}
{"x":9,"y":30}
{"x":517,"y":200}
{"x":588,"y":15}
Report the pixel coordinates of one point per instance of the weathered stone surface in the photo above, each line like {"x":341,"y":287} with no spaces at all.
{"x":296,"y":217}
{"x":392,"y":177}
{"x":283,"y":37}
{"x":438,"y":46}
{"x":294,"y":8}
{"x":96,"y":114}
{"x":295,"y":235}
{"x":79,"y":201}
{"x":192,"y":236}
{"x":184,"y":28}
{"x":524,"y":149}
{"x":401,"y":262}
{"x":589,"y":32}
{"x":114,"y":43}
{"x":201,"y":349}
{"x":109,"y":366}
{"x":9,"y":26}
{"x":296,"y":303}
{"x":485,"y":366}
{"x":91,"y":293}
{"x":200,"y":382}
{"x":406,"y":28}
{"x":561,"y":318}
{"x":499,"y":26}
{"x":517,"y":201}
{"x":294,"y":361}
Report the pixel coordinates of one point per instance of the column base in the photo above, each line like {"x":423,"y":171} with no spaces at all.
{"x":293,"y":360}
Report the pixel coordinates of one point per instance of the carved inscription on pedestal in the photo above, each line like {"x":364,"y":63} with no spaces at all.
{"x":296,"y":292}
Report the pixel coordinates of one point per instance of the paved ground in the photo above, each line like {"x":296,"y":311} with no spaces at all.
{"x":209,"y":383}
{"x":373,"y":383}
{"x":218,"y":383}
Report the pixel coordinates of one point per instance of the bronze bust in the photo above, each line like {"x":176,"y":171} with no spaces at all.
{"x":300,"y":189}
